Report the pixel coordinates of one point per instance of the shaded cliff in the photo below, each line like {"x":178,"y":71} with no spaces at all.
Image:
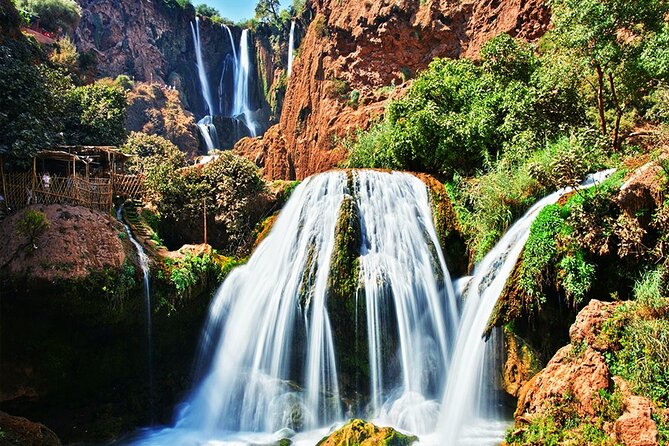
{"x":355,"y":55}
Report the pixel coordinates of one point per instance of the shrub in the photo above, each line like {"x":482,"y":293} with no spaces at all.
{"x":58,"y":16}
{"x":32,"y":224}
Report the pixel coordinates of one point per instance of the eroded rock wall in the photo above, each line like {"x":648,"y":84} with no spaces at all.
{"x":352,"y":49}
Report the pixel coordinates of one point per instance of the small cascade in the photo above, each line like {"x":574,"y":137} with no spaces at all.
{"x":209,"y":133}
{"x":144,"y":264}
{"x":242,"y":102}
{"x":291,"y":47}
{"x":467,"y":405}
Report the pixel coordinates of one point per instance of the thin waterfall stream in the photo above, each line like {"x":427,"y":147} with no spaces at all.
{"x":144,"y":264}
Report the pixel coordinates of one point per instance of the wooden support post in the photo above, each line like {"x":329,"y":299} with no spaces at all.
{"x":4,"y":183}
{"x":32,"y":192}
{"x":204,"y":211}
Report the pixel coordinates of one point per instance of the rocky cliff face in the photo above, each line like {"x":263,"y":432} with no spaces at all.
{"x":152,"y":41}
{"x":353,"y":49}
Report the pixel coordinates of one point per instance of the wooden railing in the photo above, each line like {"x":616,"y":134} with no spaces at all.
{"x":24,"y":189}
{"x":128,"y":186}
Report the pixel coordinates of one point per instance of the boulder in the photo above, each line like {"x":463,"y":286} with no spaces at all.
{"x":568,"y":377}
{"x":361,"y":433}
{"x":589,"y":323}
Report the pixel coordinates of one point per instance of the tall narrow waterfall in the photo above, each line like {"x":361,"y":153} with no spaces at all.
{"x":229,"y":71}
{"x":461,"y":408}
{"x":291,"y":47}
{"x":205,"y":125}
{"x":144,"y":264}
{"x":201,"y":69}
{"x":242,"y":102}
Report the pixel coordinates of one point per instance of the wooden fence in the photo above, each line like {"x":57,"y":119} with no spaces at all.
{"x":24,"y":189}
{"x":128,"y":186}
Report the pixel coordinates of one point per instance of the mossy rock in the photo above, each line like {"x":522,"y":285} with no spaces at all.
{"x":447,"y":225}
{"x":361,"y":433}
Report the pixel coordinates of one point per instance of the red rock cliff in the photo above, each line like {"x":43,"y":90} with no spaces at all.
{"x":353,"y":48}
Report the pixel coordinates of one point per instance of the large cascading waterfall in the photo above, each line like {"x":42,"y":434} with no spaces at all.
{"x":271,"y":350}
{"x":205,"y":125}
{"x":229,"y":70}
{"x":270,"y":356}
{"x":464,"y":407}
{"x":291,"y":47}
{"x":144,"y":264}
{"x":242,"y":104}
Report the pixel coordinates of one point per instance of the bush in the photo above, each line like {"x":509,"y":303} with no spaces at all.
{"x":32,"y":224}
{"x":96,"y":115}
{"x":58,"y":16}
{"x":456,"y":117}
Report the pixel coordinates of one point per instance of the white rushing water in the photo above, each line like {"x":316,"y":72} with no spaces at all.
{"x":291,"y":47}
{"x":464,"y":407}
{"x":201,"y":69}
{"x":144,"y":264}
{"x":242,"y":104}
{"x":268,"y":352}
{"x":270,"y":361}
{"x":229,"y":68}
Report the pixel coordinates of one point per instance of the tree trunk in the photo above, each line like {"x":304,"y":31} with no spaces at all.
{"x":600,"y":99}
{"x":619,"y":114}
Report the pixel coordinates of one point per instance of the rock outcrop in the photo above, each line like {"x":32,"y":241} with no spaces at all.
{"x":20,"y":431}
{"x":353,"y":52}
{"x":361,"y":433}
{"x":77,"y":243}
{"x":157,"y":110}
{"x":576,"y":381}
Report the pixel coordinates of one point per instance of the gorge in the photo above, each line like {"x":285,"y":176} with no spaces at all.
{"x":389,"y":222}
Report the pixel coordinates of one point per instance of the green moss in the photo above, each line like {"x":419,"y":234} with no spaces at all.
{"x":344,"y":302}
{"x":357,"y":432}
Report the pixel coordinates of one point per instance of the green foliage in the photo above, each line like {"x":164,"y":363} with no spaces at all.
{"x":206,"y":10}
{"x":297,"y":7}
{"x":155,"y":157}
{"x":96,"y":115}
{"x":192,"y":272}
{"x":124,"y":82}
{"x":456,"y":115}
{"x":227,"y":187}
{"x":577,"y":277}
{"x":540,"y":251}
{"x":267,"y":11}
{"x":622,"y":69}
{"x":32,"y":224}
{"x":58,"y":16}
{"x":32,"y":102}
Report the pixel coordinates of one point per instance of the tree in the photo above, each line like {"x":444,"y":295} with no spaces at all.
{"x":58,"y":16}
{"x":608,"y":37}
{"x":95,"y":115}
{"x":268,"y":11}
{"x":207,"y":11}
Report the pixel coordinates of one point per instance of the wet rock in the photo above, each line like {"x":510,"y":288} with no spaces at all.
{"x":20,"y":431}
{"x":520,"y":365}
{"x":359,"y":432}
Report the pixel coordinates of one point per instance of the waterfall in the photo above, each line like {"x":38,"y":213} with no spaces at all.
{"x":460,"y":408}
{"x":268,"y":348}
{"x":144,"y":264}
{"x":201,"y":70}
{"x":242,"y":104}
{"x":205,"y":125}
{"x":229,"y":66}
{"x":291,"y":47}
{"x":270,"y":358}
